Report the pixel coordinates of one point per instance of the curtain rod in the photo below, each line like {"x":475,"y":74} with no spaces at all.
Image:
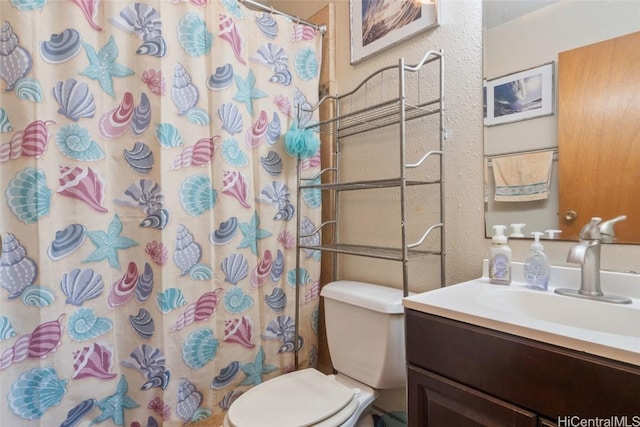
{"x":270,"y":9}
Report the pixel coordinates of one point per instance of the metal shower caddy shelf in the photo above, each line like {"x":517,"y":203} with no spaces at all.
{"x":374,"y":117}
{"x":395,"y":111}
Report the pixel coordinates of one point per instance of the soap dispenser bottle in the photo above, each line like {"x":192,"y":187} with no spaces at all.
{"x":536,"y":266}
{"x":499,"y":257}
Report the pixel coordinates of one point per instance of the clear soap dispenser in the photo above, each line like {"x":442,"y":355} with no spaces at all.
{"x":537,"y":270}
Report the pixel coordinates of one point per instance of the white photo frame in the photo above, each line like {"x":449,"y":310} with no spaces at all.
{"x":520,"y":96}
{"x":375,"y":27}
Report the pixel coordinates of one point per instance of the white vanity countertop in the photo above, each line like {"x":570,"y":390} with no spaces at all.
{"x":599,"y":328}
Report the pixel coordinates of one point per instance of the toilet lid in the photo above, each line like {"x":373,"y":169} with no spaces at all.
{"x":300,"y":398}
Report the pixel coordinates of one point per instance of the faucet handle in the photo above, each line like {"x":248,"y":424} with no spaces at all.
{"x":607,"y":234}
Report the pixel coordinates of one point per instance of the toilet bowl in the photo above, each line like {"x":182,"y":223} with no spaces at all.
{"x":365,"y":334}
{"x":302,"y":398}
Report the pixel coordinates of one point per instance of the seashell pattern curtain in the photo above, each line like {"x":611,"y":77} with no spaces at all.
{"x":148,"y":209}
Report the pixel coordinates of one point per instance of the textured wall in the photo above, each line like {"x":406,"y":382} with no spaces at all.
{"x":460,"y":35}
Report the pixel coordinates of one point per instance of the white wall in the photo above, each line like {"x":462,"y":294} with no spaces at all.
{"x":460,"y":35}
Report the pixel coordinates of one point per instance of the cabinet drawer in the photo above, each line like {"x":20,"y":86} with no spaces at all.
{"x":435,"y":401}
{"x":545,"y":379}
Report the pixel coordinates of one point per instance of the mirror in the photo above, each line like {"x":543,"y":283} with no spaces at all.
{"x":524,"y":35}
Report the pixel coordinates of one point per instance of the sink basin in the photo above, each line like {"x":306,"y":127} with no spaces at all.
{"x":552,"y":308}
{"x":600,"y":328}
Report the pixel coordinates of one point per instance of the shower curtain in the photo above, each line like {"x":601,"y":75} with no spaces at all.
{"x":148,"y":209}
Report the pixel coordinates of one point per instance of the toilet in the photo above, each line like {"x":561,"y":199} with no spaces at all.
{"x":365,"y":333}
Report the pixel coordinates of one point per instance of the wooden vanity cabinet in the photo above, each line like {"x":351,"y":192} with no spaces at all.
{"x":464,"y":375}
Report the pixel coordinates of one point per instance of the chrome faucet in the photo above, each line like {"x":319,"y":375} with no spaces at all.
{"x":587,"y":253}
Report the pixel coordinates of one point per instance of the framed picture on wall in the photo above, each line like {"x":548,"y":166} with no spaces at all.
{"x":520,"y":96}
{"x":379,"y":24}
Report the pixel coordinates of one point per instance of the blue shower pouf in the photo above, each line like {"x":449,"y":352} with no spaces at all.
{"x":301,"y":143}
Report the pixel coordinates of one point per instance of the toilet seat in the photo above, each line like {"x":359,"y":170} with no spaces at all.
{"x":302,"y":398}
{"x":343,"y":418}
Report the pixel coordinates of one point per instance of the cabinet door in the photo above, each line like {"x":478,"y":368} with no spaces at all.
{"x":435,"y":401}
{"x":546,"y":423}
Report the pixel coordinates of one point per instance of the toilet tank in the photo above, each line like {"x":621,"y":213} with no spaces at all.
{"x":365,"y":332}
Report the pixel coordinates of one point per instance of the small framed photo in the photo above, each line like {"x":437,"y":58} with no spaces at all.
{"x":520,"y":96}
{"x":379,"y":24}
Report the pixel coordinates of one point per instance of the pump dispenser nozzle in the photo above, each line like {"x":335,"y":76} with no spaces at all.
{"x":551,"y":234}
{"x":498,"y":234}
{"x":536,"y":245}
{"x":516,"y":230}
